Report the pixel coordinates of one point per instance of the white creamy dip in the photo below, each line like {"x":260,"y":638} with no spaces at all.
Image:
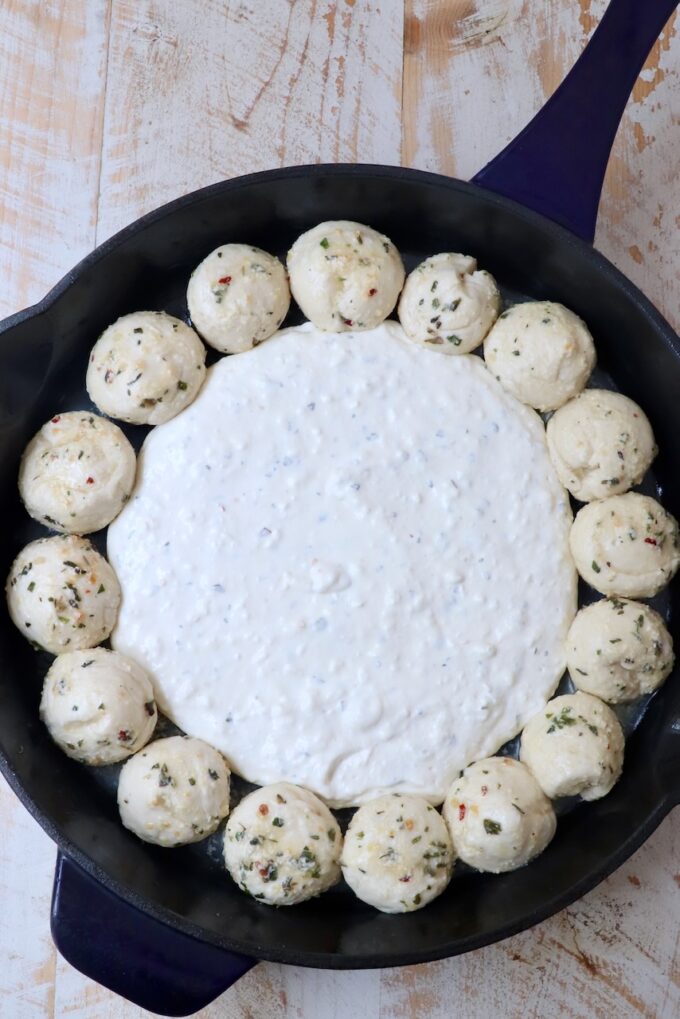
{"x":346,"y":564}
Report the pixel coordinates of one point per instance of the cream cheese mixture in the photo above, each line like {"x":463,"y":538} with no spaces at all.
{"x":346,"y":564}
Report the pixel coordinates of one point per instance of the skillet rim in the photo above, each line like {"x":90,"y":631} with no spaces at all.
{"x":337,"y":960}
{"x":342,"y":960}
{"x":561,"y":233}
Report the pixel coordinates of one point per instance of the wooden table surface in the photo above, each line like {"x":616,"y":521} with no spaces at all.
{"x":109,"y":108}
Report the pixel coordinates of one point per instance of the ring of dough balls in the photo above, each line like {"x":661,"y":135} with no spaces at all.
{"x":77,"y":473}
{"x":62,"y":594}
{"x":98,"y":706}
{"x":625,"y":545}
{"x":448,"y":303}
{"x":574,"y":747}
{"x":398,"y":854}
{"x":600,"y":443}
{"x":498,"y":815}
{"x":174,"y":792}
{"x":345,"y":275}
{"x":540,"y":352}
{"x":282,"y":845}
{"x":238,"y":296}
{"x":145,"y":368}
{"x":619,"y":650}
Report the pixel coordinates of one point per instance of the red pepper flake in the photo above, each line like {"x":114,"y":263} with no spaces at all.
{"x":405,"y":879}
{"x":263,"y":809}
{"x":461,"y":812}
{"x":347,"y":321}
{"x":484,"y":790}
{"x":57,"y":418}
{"x":89,"y":481}
{"x":650,"y":541}
{"x":226,"y":280}
{"x":372,"y":292}
{"x":124,"y":736}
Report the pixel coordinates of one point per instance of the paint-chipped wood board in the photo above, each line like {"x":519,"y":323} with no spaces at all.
{"x":108,"y":109}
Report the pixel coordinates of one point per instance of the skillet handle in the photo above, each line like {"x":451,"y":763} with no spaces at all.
{"x":556,"y":165}
{"x":134,"y":955}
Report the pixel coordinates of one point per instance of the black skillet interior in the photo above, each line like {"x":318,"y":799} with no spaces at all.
{"x":43,"y":354}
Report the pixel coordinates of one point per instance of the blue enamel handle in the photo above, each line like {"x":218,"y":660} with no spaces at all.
{"x":556,"y":165}
{"x":145,"y":961}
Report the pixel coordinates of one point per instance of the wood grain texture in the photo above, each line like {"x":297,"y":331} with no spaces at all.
{"x":28,"y":969}
{"x":52,"y":80}
{"x":475,"y":72}
{"x":639,"y":223}
{"x":109,"y":108}
{"x":244,"y":86}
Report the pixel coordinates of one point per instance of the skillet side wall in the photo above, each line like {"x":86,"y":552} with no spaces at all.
{"x":43,"y":356}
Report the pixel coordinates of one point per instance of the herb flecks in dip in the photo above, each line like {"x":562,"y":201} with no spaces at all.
{"x":346,"y":566}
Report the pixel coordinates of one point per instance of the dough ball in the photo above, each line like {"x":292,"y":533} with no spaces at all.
{"x":62,"y":594}
{"x":540,"y":352}
{"x":625,"y":545}
{"x":98,"y":705}
{"x":238,"y":296}
{"x":498,"y":815}
{"x":174,"y":792}
{"x":145,"y":368}
{"x":619,"y":650}
{"x":77,"y":473}
{"x":601,"y":444}
{"x":398,"y":854}
{"x":574,"y":747}
{"x":282,"y":845}
{"x":345,"y":276}
{"x":449,"y":303}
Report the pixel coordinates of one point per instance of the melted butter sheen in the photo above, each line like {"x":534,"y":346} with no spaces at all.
{"x":346,"y":564}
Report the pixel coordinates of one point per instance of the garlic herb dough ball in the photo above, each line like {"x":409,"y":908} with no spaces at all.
{"x":98,"y":705}
{"x":449,"y":303}
{"x":625,"y":545}
{"x":77,"y":473}
{"x":601,"y":444}
{"x":574,"y":747}
{"x":174,"y":792}
{"x":398,"y":854}
{"x":145,"y":368}
{"x":540,"y":352}
{"x":62,"y":594}
{"x":282,"y":845}
{"x":619,"y":650}
{"x":238,"y":296}
{"x":345,"y":276}
{"x":498,"y":815}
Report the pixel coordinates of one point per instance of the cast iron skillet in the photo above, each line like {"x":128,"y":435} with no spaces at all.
{"x":168,"y":929}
